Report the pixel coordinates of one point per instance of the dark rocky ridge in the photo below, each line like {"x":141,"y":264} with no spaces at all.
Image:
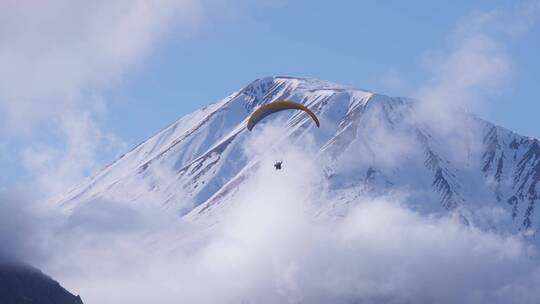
{"x":23,"y":284}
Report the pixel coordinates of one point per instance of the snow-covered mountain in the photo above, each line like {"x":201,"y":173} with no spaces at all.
{"x":367,"y":144}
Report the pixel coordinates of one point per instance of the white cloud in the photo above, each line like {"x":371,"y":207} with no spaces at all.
{"x":54,"y":168}
{"x":473,"y":67}
{"x":272,"y":244}
{"x":56,"y":56}
{"x":475,"y":63}
{"x":51,"y":52}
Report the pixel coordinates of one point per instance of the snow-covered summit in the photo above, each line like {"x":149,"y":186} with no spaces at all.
{"x":369,"y":143}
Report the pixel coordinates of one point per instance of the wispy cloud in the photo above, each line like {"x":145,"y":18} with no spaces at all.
{"x":474,"y":63}
{"x":471,"y":68}
{"x":51,"y":53}
{"x":53,"y":168}
{"x":56,"y":56}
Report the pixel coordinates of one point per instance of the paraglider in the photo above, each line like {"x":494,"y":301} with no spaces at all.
{"x":277,"y":106}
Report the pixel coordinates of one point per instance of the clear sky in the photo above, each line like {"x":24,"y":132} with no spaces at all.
{"x":375,"y":45}
{"x":167,"y":61}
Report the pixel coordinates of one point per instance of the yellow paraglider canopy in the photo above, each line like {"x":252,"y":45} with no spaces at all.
{"x":277,"y":106}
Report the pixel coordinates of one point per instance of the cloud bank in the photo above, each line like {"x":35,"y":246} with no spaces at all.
{"x":275,"y":243}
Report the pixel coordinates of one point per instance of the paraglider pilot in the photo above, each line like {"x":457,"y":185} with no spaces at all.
{"x":277,"y":106}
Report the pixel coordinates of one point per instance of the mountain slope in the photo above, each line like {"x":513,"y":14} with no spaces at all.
{"x":24,"y":284}
{"x":367,"y":144}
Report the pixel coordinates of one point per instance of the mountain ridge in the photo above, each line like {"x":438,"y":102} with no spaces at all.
{"x":190,"y":164}
{"x":20,"y":283}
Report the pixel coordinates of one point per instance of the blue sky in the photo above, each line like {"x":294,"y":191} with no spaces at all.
{"x":360,"y":43}
{"x":118,"y":84}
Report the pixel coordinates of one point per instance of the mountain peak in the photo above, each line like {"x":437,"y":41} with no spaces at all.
{"x":262,"y":90}
{"x":200,"y":161}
